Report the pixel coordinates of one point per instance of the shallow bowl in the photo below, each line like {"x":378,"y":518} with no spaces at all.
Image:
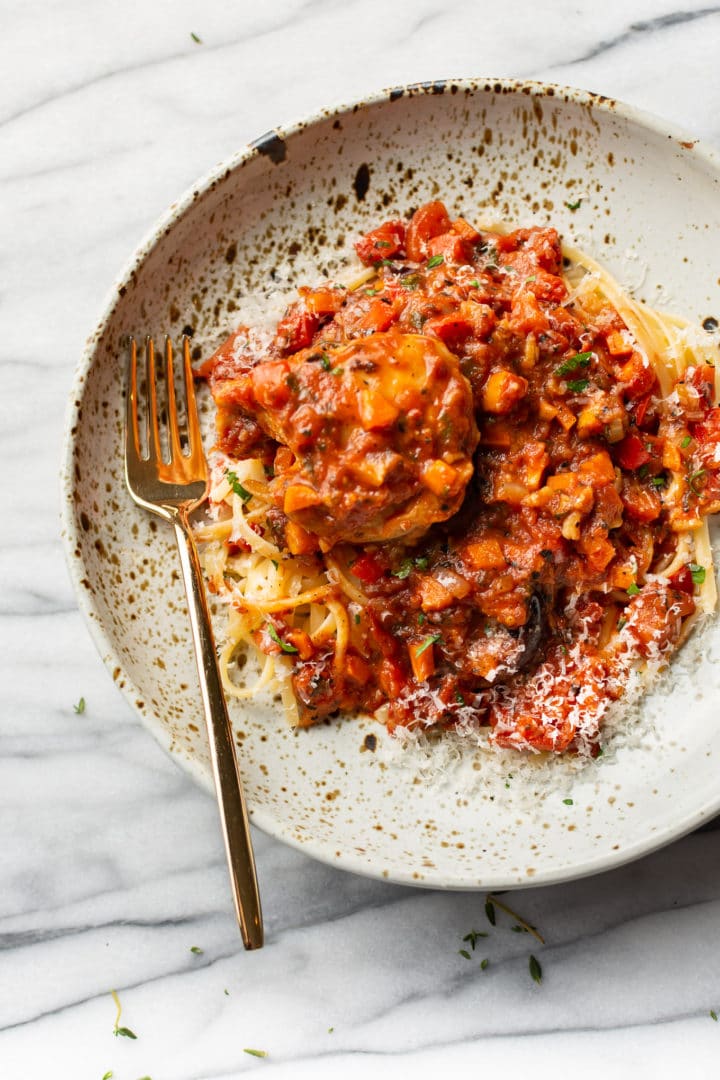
{"x":640,"y":196}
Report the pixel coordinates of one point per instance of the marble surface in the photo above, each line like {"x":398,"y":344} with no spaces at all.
{"x":111,"y":862}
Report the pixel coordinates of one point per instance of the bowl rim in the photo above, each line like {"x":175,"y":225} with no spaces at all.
{"x":267,"y":144}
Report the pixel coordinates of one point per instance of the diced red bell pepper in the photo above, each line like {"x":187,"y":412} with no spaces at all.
{"x":381,"y":243}
{"x":631,"y":453}
{"x":429,"y":221}
{"x":297,"y":328}
{"x":682,"y":580}
{"x":367,"y":569}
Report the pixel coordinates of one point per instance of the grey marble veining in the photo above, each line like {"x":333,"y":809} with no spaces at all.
{"x":111,"y":866}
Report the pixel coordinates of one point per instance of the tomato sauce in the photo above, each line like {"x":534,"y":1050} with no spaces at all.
{"x":491,"y":460}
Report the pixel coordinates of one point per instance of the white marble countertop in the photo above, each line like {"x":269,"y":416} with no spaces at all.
{"x":112,"y":865}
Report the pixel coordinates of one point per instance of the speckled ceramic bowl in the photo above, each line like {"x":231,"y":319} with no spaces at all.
{"x":285,"y":211}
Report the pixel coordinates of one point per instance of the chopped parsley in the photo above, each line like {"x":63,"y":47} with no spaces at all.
{"x":404,"y":570}
{"x":432,"y":640}
{"x":568,"y":802}
{"x":278,"y":640}
{"x":475,"y":284}
{"x":686,"y":442}
{"x":406,"y":566}
{"x":581,"y":359}
{"x":658,"y":481}
{"x":459,"y":698}
{"x":80,"y":707}
{"x":574,"y":205}
{"x":634,"y":589}
{"x":535,"y":969}
{"x":697,"y":573}
{"x":436,"y":260}
{"x":382,"y":244}
{"x":578,"y":386}
{"x":621,"y":622}
{"x":325,"y":362}
{"x":236,"y":486}
{"x":411,"y":282}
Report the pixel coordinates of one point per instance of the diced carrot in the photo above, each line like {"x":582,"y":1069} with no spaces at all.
{"x":301,"y":641}
{"x":618,"y":344}
{"x":300,"y":497}
{"x":639,"y":377}
{"x":433,"y":595}
{"x":589,"y":423}
{"x":323,"y":300}
{"x":598,"y":468}
{"x":284,"y":459}
{"x":422,"y":660}
{"x":502,"y":391}
{"x":357,"y":669}
{"x":484,"y":554}
{"x":299,"y":541}
{"x":376,"y":411}
{"x":439,"y":478}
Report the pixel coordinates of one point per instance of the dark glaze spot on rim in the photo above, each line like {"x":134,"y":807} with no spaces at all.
{"x":397,"y":93}
{"x":272,"y":146}
{"x":361,"y":183}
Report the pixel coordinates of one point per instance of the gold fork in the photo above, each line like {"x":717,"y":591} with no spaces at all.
{"x":173,"y":484}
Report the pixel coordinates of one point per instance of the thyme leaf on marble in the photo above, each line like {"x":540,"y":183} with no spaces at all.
{"x":713,"y":1014}
{"x":80,"y":707}
{"x":255,"y":1053}
{"x":108,"y":1075}
{"x":484,"y":963}
{"x":490,"y":911}
{"x":196,"y":39}
{"x":465,"y":953}
{"x":494,"y":902}
{"x":196,"y":949}
{"x":535,"y":969}
{"x":473,"y":936}
{"x":117,"y":1030}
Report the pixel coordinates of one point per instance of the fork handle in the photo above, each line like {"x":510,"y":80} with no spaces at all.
{"x":228,"y":785}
